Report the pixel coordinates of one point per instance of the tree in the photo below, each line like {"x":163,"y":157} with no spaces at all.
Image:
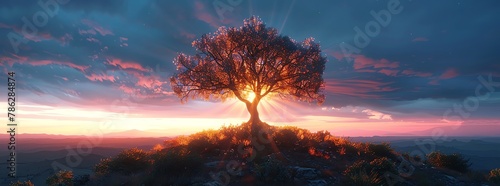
{"x":250,"y":61}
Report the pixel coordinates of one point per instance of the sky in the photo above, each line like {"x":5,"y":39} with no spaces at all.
{"x":394,"y":67}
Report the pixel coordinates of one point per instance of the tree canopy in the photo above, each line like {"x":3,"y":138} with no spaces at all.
{"x":250,"y":60}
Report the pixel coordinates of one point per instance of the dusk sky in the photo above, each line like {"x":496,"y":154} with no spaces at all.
{"x":93,"y":64}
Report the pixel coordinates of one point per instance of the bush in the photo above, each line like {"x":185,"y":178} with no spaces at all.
{"x":103,"y":167}
{"x":454,"y":161}
{"x":285,"y":138}
{"x":60,"y":178}
{"x":126,"y":162}
{"x":383,"y":165}
{"x":494,"y":176}
{"x":381,"y":150}
{"x":19,"y":183}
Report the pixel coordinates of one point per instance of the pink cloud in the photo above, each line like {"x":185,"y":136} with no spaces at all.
{"x":434,"y":82}
{"x":101,"y":30}
{"x":448,"y":74}
{"x":126,"y":64}
{"x":188,"y":35}
{"x":127,"y":89}
{"x":151,"y":82}
{"x":389,"y":72}
{"x":100,"y":77}
{"x":335,"y":54}
{"x":361,"y":61}
{"x":65,"y":39}
{"x":420,"y":39}
{"x":414,"y":73}
{"x":202,"y":14}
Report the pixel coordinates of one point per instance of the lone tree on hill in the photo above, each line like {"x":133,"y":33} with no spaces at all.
{"x":249,"y":63}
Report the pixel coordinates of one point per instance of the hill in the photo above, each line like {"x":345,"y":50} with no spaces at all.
{"x":278,"y":156}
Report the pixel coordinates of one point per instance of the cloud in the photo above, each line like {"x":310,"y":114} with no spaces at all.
{"x":415,"y":73}
{"x":202,"y":14}
{"x":358,"y":88}
{"x":126,"y":64}
{"x":25,"y":60}
{"x":100,"y":77}
{"x":362,"y":62}
{"x":95,"y":27}
{"x":449,"y":73}
{"x":389,"y":72}
{"x":377,"y":115}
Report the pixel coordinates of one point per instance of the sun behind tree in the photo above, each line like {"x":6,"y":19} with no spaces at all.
{"x":249,"y":63}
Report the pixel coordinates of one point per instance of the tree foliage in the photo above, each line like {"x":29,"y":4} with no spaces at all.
{"x":235,"y":62}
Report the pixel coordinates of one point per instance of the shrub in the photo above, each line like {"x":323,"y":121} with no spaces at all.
{"x":357,"y":167}
{"x":201,"y":145}
{"x":454,"y":161}
{"x":60,"y":178}
{"x":285,"y":138}
{"x":383,"y":165}
{"x":381,"y":150}
{"x":494,"y":176}
{"x":103,"y":167}
{"x":19,"y":183}
{"x":126,"y":162}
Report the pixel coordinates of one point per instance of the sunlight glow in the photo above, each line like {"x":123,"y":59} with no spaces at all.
{"x":251,"y":96}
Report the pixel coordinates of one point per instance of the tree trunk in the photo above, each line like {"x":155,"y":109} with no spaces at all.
{"x":254,"y":120}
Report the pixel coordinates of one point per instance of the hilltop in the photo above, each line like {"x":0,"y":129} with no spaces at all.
{"x":277,"y":156}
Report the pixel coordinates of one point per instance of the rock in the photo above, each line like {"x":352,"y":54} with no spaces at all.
{"x":306,"y":173}
{"x":317,"y":183}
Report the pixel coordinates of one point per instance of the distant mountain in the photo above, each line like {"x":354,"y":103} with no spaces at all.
{"x":133,"y":134}
{"x":122,"y":134}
